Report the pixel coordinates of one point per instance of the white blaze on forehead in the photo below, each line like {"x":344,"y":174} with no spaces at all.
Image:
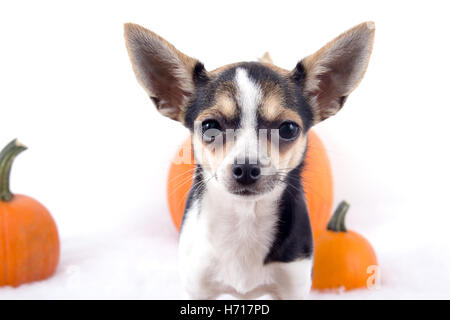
{"x":248,"y":97}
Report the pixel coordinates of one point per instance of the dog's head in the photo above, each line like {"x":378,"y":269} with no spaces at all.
{"x":249,"y":121}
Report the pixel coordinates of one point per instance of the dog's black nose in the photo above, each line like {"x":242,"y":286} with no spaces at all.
{"x":246,"y":174}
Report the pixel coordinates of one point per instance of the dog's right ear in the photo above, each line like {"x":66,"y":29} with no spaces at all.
{"x":166,"y":74}
{"x":332,"y":73}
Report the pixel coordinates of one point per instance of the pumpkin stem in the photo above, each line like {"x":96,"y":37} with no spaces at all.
{"x":337,"y":221}
{"x":7,"y":156}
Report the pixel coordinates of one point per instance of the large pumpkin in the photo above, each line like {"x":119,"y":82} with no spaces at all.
{"x":29,"y":242}
{"x":317,"y":180}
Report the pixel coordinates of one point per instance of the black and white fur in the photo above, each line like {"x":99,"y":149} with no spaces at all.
{"x":248,"y":240}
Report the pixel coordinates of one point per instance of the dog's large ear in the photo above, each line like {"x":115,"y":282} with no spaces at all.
{"x":332,"y":73}
{"x":166,"y":74}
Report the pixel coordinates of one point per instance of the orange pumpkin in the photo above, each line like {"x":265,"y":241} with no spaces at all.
{"x":29,"y":242}
{"x":343,"y":259}
{"x":317,"y":180}
{"x":318,"y":183}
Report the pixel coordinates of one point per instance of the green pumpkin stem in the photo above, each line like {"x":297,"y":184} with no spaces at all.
{"x":337,"y":221}
{"x":7,"y":156}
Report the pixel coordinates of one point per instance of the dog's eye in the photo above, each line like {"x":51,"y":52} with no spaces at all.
{"x":211,"y":129}
{"x":289,"y":130}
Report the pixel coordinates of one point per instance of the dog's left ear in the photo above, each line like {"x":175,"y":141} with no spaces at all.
{"x":332,"y":73}
{"x":165,"y":73}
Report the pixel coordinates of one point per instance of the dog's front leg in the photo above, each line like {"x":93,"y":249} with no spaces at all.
{"x":195,"y":260}
{"x":198,"y":286}
{"x":195,"y":273}
{"x":293,"y":279}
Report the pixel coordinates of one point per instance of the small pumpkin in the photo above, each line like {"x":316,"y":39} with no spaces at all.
{"x":316,"y":177}
{"x":343,"y":258}
{"x":29,"y":242}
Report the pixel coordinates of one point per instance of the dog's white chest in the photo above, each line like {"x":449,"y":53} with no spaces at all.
{"x":242,"y":239}
{"x":229,"y":241}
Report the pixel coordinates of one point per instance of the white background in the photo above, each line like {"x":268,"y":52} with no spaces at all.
{"x":99,"y":151}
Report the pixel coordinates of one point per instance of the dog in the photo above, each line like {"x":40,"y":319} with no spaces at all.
{"x":246,"y":229}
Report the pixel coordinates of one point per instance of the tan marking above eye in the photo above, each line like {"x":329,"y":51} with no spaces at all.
{"x":271,"y":107}
{"x":272,"y":110}
{"x":224,"y":106}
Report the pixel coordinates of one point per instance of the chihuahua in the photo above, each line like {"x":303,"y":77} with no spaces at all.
{"x":246,"y":229}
